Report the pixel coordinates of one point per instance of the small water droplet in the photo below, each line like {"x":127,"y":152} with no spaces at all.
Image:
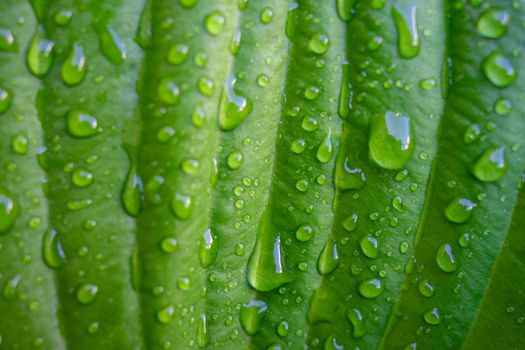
{"x":428,"y":84}
{"x":408,"y":43}
{"x":74,"y":67}
{"x":445,"y":258}
{"x":166,"y":315}
{"x":370,"y":288}
{"x":432,"y":316}
{"x":298,"y":146}
{"x":235,"y":43}
{"x":63,"y":17}
{"x":178,"y":53}
{"x":319,"y":43}
{"x":252,"y":315}
{"x":311,"y":92}
{"x":493,"y":23}
{"x":472,"y":133}
{"x":350,"y":223}
{"x":6,"y":99}
{"x":20,"y":144}
{"x":304,"y":233}
{"x":81,"y":124}
{"x":491,"y":165}
{"x":459,"y":210}
{"x":266,"y":15}
{"x":426,"y":289}
{"x":310,"y":124}
{"x":182,"y":206}
{"x":168,"y":91}
{"x":370,"y":247}
{"x":282,"y":328}
{"x":132,"y":194}
{"x":206,"y":86}
{"x":215,"y":22}
{"x":503,"y":106}
{"x":8,"y":40}
{"x":82,"y":177}
{"x":10,"y":290}
{"x":86,"y":293}
{"x":187,"y":4}
{"x":169,"y":245}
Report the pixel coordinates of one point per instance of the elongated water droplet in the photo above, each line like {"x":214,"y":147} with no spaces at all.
{"x":358,"y":324}
{"x":182,"y":206}
{"x":326,"y":150}
{"x":40,"y":54}
{"x":331,"y":343}
{"x":111,"y":45}
{"x":53,"y":253}
{"x":235,"y":44}
{"x":432,"y":316}
{"x":329,"y":257}
{"x":8,"y":40}
{"x":349,"y":178}
{"x":86,"y":293}
{"x":350,"y":223}
{"x":493,"y":23}
{"x":10,"y":291}
{"x":499,"y":69}
{"x":408,"y":43}
{"x":491,"y":165}
{"x":81,"y":124}
{"x":445,"y":258}
{"x":266,"y":15}
{"x":345,"y":93}
{"x":20,"y":144}
{"x":234,"y":107}
{"x":426,"y":289}
{"x":153,"y":188}
{"x":369,"y":247}
{"x":371,"y":288}
{"x":208,"y":249}
{"x":8,"y":211}
{"x":75,"y":65}
{"x":215,"y":22}
{"x":391,"y":142}
{"x":6,"y":99}
{"x":345,"y":8}
{"x":459,"y":210}
{"x":203,"y":336}
{"x":252,"y":315}
{"x":133,"y":192}
{"x":234,"y":160}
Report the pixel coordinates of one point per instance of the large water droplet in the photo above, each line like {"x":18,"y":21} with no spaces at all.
{"x":75,"y":65}
{"x":8,"y":40}
{"x":408,"y":43}
{"x":358,"y":324}
{"x":111,"y":45}
{"x":493,"y":23}
{"x":86,"y":293}
{"x":491,"y":165}
{"x":215,"y":22}
{"x":81,"y":124}
{"x":81,"y":177}
{"x":391,"y":141}
{"x":345,"y":8}
{"x":252,"y":315}
{"x":208,"y":249}
{"x":499,"y":69}
{"x":234,"y":160}
{"x":445,"y":258}
{"x":6,"y":99}
{"x":329,"y":257}
{"x":304,"y":233}
{"x":53,"y":253}
{"x":234,"y":107}
{"x":326,"y":150}
{"x":370,"y":247}
{"x":40,"y":54}
{"x":432,"y":316}
{"x":371,"y":288}
{"x":178,"y":53}
{"x":459,"y":210}
{"x":8,"y":211}
{"x":319,"y":43}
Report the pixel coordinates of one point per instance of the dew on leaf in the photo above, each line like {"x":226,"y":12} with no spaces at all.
{"x":319,"y":43}
{"x":166,"y":314}
{"x":234,"y":107}
{"x":62,"y":17}
{"x":40,"y":54}
{"x":445,"y":258}
{"x":203,"y":336}
{"x":432,"y":316}
{"x":266,"y":15}
{"x":81,"y":177}
{"x":168,"y":91}
{"x":75,"y":66}
{"x":370,"y":288}
{"x":329,"y":257}
{"x":405,"y":19}
{"x":304,"y":233}
{"x":493,"y":23}
{"x":6,"y":99}
{"x":235,"y":160}
{"x":86,"y":293}
{"x":178,"y":53}
{"x":503,"y":106}
{"x":370,"y":247}
{"x":182,"y":205}
{"x":358,"y":325}
{"x":169,"y":245}
{"x":215,"y":22}
{"x":499,"y":69}
{"x":8,"y":211}
{"x":52,"y":251}
{"x":81,"y":124}
{"x":8,"y":40}
{"x":325,"y":150}
{"x":491,"y":165}
{"x":208,"y":249}
{"x":251,"y":316}
{"x":459,"y":210}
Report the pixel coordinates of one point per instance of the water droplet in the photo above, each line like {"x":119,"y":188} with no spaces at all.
{"x":472,"y":133}
{"x":391,"y":141}
{"x":283,"y":328}
{"x":74,"y":67}
{"x":464,"y":240}
{"x":428,"y":84}
{"x":332,"y":344}
{"x":266,"y":15}
{"x":358,"y":324}
{"x":375,"y":43}
{"x":491,"y":165}
{"x":298,"y":146}
{"x":263,"y":80}
{"x":40,"y":54}
{"x":53,"y":253}
{"x":493,"y":23}
{"x":445,"y":258}
{"x":184,"y":283}
{"x":503,"y":106}
{"x":408,"y":43}
{"x":432,"y":316}
{"x":168,"y":91}
{"x":8,"y":40}
{"x":371,"y":288}
{"x":348,"y":178}
{"x":165,"y":134}
{"x":86,"y":293}
{"x":132,"y":194}
{"x":81,"y":178}
{"x":304,"y":233}
{"x":329,"y":257}
{"x":203,"y":337}
{"x":370,"y":247}
{"x":153,"y":188}
{"x":310,"y":124}
{"x":111,"y":45}
{"x":326,"y":150}
{"x":190,"y":167}
{"x":81,"y":124}
{"x":302,"y":185}
{"x":169,"y":245}
{"x":206,"y":86}
{"x":20,"y":144}
{"x":499,"y":70}
{"x":350,"y":223}
{"x":235,"y":44}
{"x":311,"y":92}
{"x":182,"y":206}
{"x":187,"y":4}
{"x":319,"y":43}
{"x":426,"y":289}
{"x":10,"y":291}
{"x":234,"y":107}
{"x":63,"y":17}
{"x":252,"y":315}
{"x":345,"y":8}
{"x":215,"y":22}
{"x":8,"y":211}
{"x":178,"y":53}
{"x":166,"y":315}
{"x":198,"y":116}
{"x":6,"y":99}
{"x":234,"y":160}
{"x":208,"y":249}
{"x":459,"y":210}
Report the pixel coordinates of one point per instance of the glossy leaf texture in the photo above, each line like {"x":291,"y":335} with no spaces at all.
{"x":298,"y":174}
